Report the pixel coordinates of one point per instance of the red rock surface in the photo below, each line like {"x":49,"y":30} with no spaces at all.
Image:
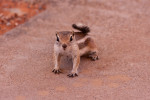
{"x":13,"y":13}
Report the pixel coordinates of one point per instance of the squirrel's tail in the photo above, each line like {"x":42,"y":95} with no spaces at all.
{"x":84,"y":29}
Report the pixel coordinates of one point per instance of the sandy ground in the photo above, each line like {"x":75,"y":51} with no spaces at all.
{"x":122,"y":30}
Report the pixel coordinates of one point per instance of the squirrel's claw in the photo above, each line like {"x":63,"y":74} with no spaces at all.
{"x":72,"y":75}
{"x":94,"y":57}
{"x":56,"y":71}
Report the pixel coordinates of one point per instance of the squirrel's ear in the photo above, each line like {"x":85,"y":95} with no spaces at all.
{"x":57,"y":36}
{"x":56,"y":33}
{"x":72,"y":36}
{"x":73,"y":33}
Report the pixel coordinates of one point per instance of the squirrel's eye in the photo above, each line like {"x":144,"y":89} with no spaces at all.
{"x":71,"y":38}
{"x":57,"y":39}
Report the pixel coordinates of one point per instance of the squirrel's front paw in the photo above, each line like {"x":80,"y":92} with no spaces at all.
{"x":56,"y":71}
{"x":72,"y":74}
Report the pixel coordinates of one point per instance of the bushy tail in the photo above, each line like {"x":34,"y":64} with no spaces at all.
{"x":84,"y":29}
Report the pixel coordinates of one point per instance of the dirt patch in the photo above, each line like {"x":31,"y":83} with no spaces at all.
{"x":43,"y":93}
{"x":61,"y":88}
{"x":20,"y":98}
{"x":13,"y":13}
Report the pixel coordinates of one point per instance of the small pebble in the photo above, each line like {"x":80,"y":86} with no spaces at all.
{"x":19,"y":19}
{"x":1,"y":15}
{"x":15,"y":15}
{"x":8,"y":24}
{"x":16,"y":24}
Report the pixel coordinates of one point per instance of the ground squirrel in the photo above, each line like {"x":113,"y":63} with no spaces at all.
{"x":74,"y":44}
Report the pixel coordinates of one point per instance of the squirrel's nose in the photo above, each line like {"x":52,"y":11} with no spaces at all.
{"x":64,"y":46}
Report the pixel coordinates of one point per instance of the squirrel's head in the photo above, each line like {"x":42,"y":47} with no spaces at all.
{"x":65,"y":39}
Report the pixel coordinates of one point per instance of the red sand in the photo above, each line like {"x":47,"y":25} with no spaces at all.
{"x":14,"y":13}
